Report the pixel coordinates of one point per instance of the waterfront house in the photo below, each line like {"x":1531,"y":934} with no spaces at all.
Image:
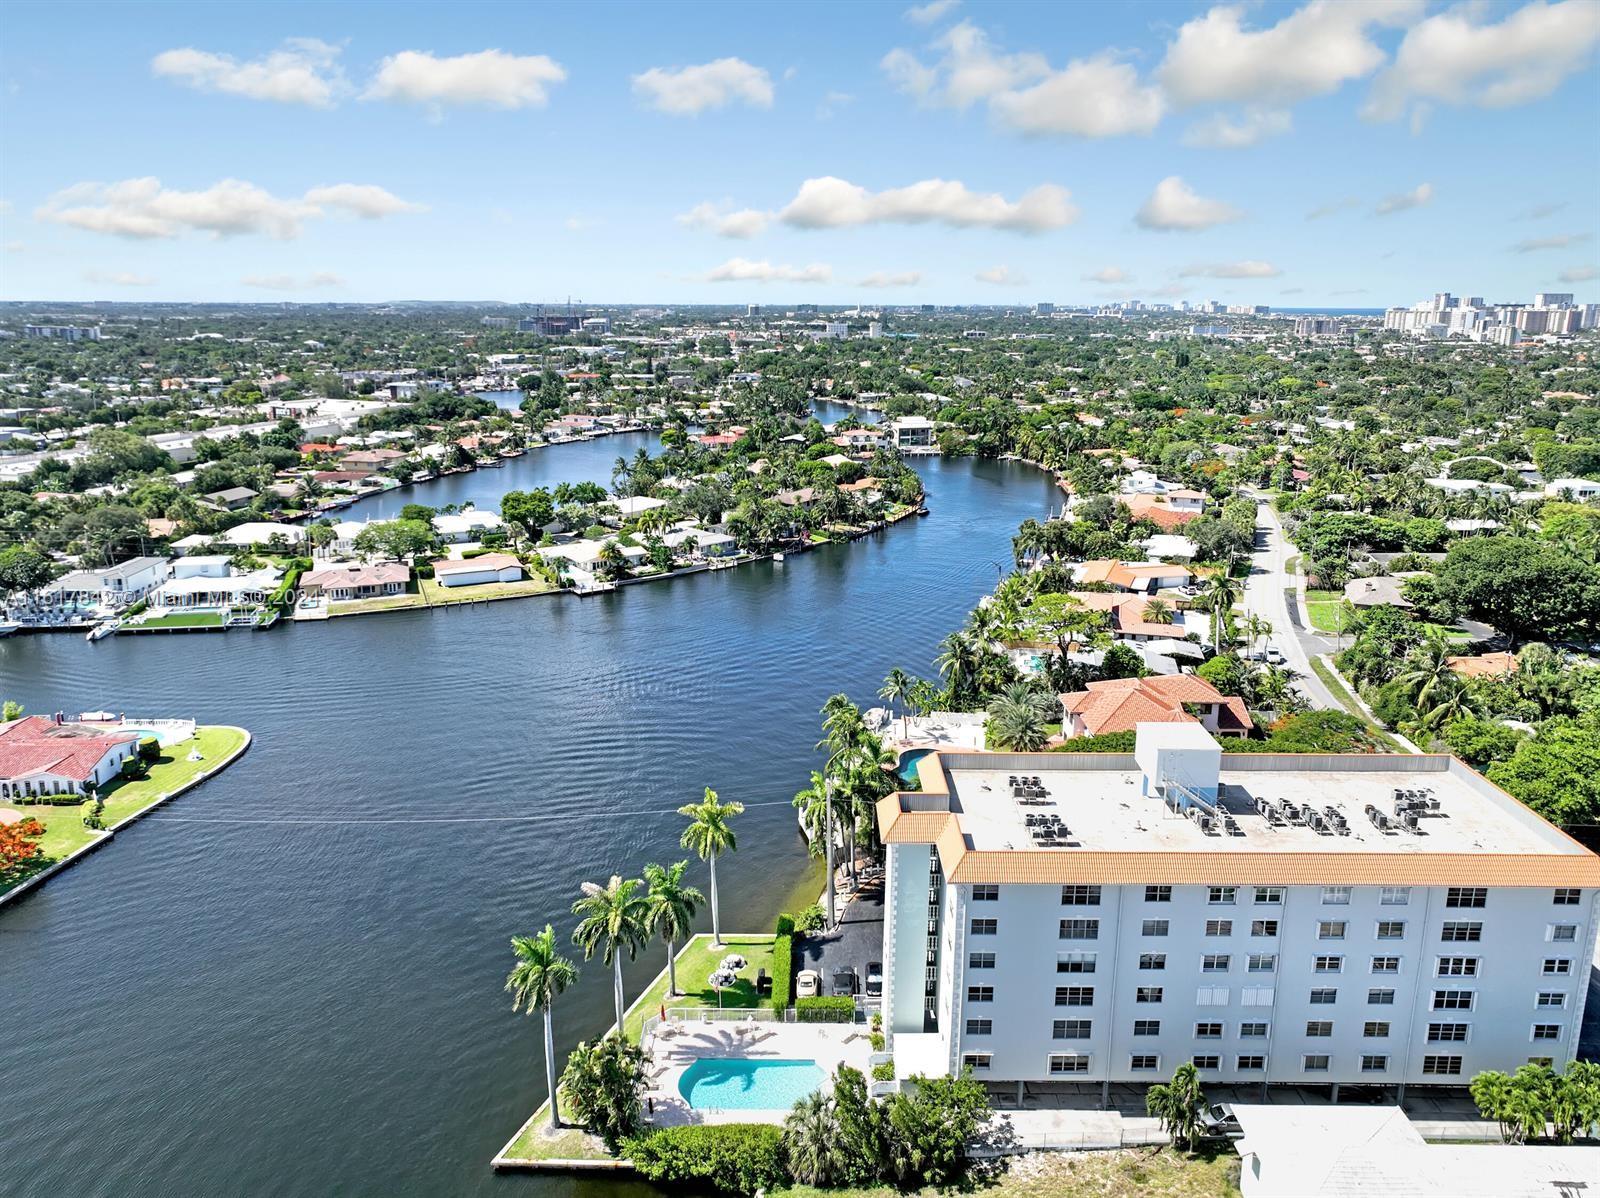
{"x":371,"y":459}
{"x":1126,"y":614}
{"x":256,"y":534}
{"x":487,"y":567}
{"x":40,"y":755}
{"x":803,"y":497}
{"x":1160,"y":511}
{"x":584,"y":554}
{"x":1122,"y":704}
{"x":357,"y":580}
{"x":213,"y":582}
{"x":705,"y":542}
{"x":109,"y":589}
{"x":911,"y":432}
{"x":469,"y":524}
{"x":231,"y":499}
{"x":1143,"y":578}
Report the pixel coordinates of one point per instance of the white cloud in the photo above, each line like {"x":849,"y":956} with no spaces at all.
{"x":830,"y":203}
{"x":1402,"y":200}
{"x":117,"y":278}
{"x":690,"y":91}
{"x":1556,"y":241}
{"x":1176,"y":205}
{"x":881,"y":278}
{"x":1333,"y":206}
{"x":1001,"y":276}
{"x":724,"y":221}
{"x":1222,"y":132}
{"x":291,"y":283}
{"x":491,"y":78}
{"x":1311,"y":52}
{"x":832,"y":103}
{"x":143,"y":208}
{"x":1089,"y":97}
{"x":1579,"y":274}
{"x":1453,"y":58}
{"x":1230,"y":270}
{"x":301,"y":71}
{"x":1109,"y":275}
{"x":14,"y":247}
{"x":1170,"y":290}
{"x":929,"y":13}
{"x":743,"y":270}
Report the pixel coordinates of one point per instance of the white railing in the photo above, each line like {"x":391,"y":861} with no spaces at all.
{"x":686,"y":1017}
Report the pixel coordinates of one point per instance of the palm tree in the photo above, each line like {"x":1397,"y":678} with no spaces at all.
{"x":710,"y":834}
{"x":1158,"y":611}
{"x":1222,"y":593}
{"x":1178,"y":1104}
{"x":812,"y":1142}
{"x":614,"y":922}
{"x":1257,"y":628}
{"x":670,"y":908}
{"x":1018,"y":719}
{"x":539,"y":975}
{"x":1429,"y":675}
{"x":897,"y":690}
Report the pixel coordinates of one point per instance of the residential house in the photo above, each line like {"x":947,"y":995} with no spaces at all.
{"x":469,"y":524}
{"x":473,"y":571}
{"x":1145,"y":578}
{"x":1122,"y":704}
{"x":231,"y":499}
{"x":356,"y":580}
{"x":42,"y":755}
{"x":111,"y":588}
{"x":211,"y":581}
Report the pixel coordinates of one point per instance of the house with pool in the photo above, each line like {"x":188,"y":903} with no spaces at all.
{"x":49,"y":755}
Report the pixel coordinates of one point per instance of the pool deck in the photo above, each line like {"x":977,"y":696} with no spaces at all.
{"x":828,"y":1044}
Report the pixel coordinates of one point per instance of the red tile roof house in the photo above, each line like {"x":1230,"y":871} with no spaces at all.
{"x":353,"y":580}
{"x":1122,"y":704}
{"x":41,"y":757}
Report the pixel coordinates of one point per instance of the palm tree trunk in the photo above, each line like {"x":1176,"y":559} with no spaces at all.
{"x":616,"y":962}
{"x":672,"y":968}
{"x":716,"y":920}
{"x":550,"y":1067}
{"x":827,"y":840}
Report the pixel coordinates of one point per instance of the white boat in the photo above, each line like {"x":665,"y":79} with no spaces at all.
{"x":777,"y":557}
{"x":105,"y":629}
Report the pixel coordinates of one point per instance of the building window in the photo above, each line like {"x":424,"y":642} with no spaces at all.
{"x":980,"y":961}
{"x":1547,"y":1031}
{"x":1395,"y":896}
{"x":1568,"y":896}
{"x":1319,"y":1028}
{"x":1080,"y":896}
{"x":980,"y":1027}
{"x":1158,"y":894}
{"x":1080,"y":929}
{"x":1269,"y":894}
{"x":1074,"y":996}
{"x":1147,"y":1027}
{"x":1458,"y":967}
{"x":1380,"y":998}
{"x":980,"y":993}
{"x":1330,"y":929}
{"x":1314,"y":1062}
{"x":1153,"y":927}
{"x":1152,"y":960}
{"x":1143,"y":1061}
{"x":1214,"y":963}
{"x":1386,"y":965}
{"x":1452,"y":1000}
{"x":1466,"y":896}
{"x":1329,"y":965}
{"x":985,"y":892}
{"x":1206,"y":1062}
{"x":1263,"y":927}
{"x":1324,"y":997}
{"x":1262,"y":962}
{"x":1249,"y":1064}
{"x":1221,"y":895}
{"x":1208,"y":1031}
{"x":1219,"y":927}
{"x":1068,"y":1062}
{"x":976,"y":1060}
{"x":1555,"y":967}
{"x":1542,"y":1062}
{"x":1147,"y":994}
{"x":1551,"y":998}
{"x":1374,"y":1064}
{"x":1335,"y":896}
{"x":1256,"y":996}
{"x":1252,"y":1031}
{"x":1211,"y":996}
{"x":1075,"y":962}
{"x":1563,"y":933}
{"x":985,"y":927}
{"x":1071,"y":1029}
{"x":1391,"y":929}
{"x":1375,"y":1029}
{"x":1447,"y":1033}
{"x":1439,"y":1066}
{"x":1456,"y":932}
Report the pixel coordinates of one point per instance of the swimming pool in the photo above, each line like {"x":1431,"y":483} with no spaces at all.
{"x":738,"y":1084}
{"x":908,"y":764}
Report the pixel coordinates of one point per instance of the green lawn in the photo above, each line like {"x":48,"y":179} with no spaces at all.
{"x":536,"y":1142}
{"x":435,"y":593}
{"x":64,"y":830}
{"x":1335,"y":683}
{"x":695,"y":962}
{"x":1326,"y":609}
{"x":196,"y":619}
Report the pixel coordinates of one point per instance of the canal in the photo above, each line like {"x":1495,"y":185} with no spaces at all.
{"x":289,"y":981}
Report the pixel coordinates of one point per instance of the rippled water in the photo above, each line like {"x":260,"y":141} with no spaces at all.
{"x":289,"y":981}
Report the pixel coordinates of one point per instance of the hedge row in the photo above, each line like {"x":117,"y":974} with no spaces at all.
{"x":783,"y":966}
{"x":733,"y":1158}
{"x":828,"y":1008}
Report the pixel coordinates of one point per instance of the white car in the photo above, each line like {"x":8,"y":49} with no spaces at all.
{"x":808,"y":984}
{"x":1275,"y":655}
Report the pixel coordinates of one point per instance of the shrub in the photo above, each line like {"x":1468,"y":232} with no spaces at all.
{"x":133,"y":767}
{"x":875,"y":1038}
{"x":731,"y":1158}
{"x":603,"y":1082}
{"x":809,"y":920}
{"x":827,"y":1008}
{"x":782,"y":967}
{"x":785,"y":925}
{"x":149,"y":749}
{"x":424,"y":572}
{"x":883,"y":1071}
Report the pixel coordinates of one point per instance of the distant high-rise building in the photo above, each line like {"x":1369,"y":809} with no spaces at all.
{"x":62,"y":332}
{"x":806,"y":309}
{"x":752,"y":310}
{"x":1318,"y":326}
{"x":1553,"y":299}
{"x":1044,"y":309}
{"x":835,"y":330}
{"x":875,"y":329}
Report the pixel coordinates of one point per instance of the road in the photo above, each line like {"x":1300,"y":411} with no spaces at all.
{"x":1267,"y":594}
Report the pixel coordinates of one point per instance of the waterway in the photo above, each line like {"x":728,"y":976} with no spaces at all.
{"x":289,"y":981}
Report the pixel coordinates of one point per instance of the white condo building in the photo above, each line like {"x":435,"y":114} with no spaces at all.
{"x":1295,"y":919}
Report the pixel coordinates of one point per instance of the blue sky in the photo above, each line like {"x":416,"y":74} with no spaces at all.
{"x":953,"y":153}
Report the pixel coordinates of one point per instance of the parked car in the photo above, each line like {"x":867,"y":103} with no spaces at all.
{"x":874,"y":979}
{"x":1218,"y":1120}
{"x":808,"y":984}
{"x":844,"y":981}
{"x":1275,"y":655}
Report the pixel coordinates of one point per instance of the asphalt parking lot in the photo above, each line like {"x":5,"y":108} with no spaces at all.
{"x":857,"y":940}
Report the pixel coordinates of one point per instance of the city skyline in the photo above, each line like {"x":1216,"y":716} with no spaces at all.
{"x":1297,"y":155}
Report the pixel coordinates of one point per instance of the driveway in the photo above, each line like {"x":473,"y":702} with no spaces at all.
{"x":857,"y":940}
{"x":1269,"y":592}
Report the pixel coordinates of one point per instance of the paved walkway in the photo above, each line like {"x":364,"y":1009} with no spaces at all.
{"x":1267,"y":594}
